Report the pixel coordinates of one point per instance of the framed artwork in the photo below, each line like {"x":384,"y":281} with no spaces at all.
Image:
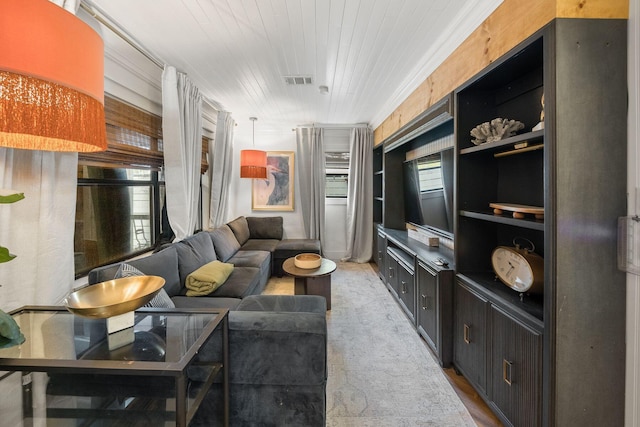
{"x":276,"y":192}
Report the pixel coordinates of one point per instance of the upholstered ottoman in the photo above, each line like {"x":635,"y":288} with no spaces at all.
{"x":288,"y":248}
{"x":278,"y":363}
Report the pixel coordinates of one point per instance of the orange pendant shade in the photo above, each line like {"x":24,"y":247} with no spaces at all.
{"x":253,"y":164}
{"x":51,"y":79}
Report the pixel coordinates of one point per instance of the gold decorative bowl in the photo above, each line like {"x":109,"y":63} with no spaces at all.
{"x":307,"y":261}
{"x":114,"y":297}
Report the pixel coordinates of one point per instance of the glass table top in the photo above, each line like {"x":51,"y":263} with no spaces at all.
{"x":161,"y":340}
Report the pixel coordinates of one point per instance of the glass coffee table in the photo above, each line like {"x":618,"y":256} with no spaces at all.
{"x":69,"y":368}
{"x":311,"y":281}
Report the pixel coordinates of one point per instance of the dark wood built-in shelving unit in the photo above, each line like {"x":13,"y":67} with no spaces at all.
{"x":556,"y":357}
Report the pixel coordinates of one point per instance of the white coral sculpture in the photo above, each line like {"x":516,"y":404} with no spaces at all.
{"x":495,"y":130}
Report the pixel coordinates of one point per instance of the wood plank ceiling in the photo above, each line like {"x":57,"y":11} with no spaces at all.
{"x":369,"y":53}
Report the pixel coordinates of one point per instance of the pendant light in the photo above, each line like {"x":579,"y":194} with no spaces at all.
{"x":253,"y":163}
{"x":51,"y":79}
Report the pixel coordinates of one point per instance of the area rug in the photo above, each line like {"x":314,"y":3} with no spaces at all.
{"x":380,"y":371}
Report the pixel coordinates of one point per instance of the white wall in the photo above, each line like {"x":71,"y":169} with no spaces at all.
{"x":632,"y":394}
{"x":240,"y":191}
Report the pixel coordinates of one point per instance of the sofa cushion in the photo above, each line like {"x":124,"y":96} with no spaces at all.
{"x":241,"y":283}
{"x":161,"y":299}
{"x":297,"y":246}
{"x":240,"y":229}
{"x":205,"y":302}
{"x":268,"y":245}
{"x":266,"y":227}
{"x":244,"y":258}
{"x":207,"y":278}
{"x":224,"y":242}
{"x":194,"y":252}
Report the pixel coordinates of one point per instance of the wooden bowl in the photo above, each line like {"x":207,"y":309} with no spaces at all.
{"x":307,"y":261}
{"x":114,"y":297}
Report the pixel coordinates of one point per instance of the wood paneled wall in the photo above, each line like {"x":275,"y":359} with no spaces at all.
{"x":512,"y":22}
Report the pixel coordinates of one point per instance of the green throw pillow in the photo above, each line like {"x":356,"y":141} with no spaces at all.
{"x":207,"y":278}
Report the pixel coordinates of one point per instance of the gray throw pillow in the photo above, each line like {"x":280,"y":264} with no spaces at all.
{"x":240,"y":229}
{"x":161,"y":299}
{"x":224,"y":242}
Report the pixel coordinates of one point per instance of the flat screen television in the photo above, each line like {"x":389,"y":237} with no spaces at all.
{"x":428,"y":192}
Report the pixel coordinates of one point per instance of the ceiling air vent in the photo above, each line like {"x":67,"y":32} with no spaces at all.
{"x":298,"y":80}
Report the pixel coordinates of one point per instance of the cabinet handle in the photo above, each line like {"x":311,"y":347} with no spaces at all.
{"x":390,"y":271}
{"x":467,"y":334}
{"x":426,"y":300}
{"x":404,"y":287}
{"x":506,"y":371}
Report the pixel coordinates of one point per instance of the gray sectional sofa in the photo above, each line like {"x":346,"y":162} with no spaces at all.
{"x":249,"y":243}
{"x":277,"y":344}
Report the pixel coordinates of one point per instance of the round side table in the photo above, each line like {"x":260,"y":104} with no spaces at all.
{"x":311,"y":281}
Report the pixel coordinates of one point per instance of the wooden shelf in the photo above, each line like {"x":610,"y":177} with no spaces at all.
{"x":507,"y":219}
{"x":536,"y":136}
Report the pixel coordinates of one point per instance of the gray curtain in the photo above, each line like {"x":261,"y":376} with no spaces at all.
{"x":311,"y":175}
{"x":360,"y":196}
{"x":182,"y":135}
{"x":221,"y":155}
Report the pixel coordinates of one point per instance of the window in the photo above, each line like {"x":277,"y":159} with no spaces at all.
{"x":429,"y":173}
{"x":120,"y":191}
{"x":117,"y":213}
{"x":337,"y":174}
{"x":336,"y":184}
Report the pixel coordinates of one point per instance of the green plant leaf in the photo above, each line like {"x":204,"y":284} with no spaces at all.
{"x":11,"y":198}
{"x":5,"y":256}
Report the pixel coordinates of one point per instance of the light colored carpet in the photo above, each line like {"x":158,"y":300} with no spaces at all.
{"x":380,"y":371}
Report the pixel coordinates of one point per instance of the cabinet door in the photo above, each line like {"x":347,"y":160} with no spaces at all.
{"x":407,"y":290}
{"x":392,"y":274}
{"x":516,"y":369}
{"x":470,"y":328}
{"x":381,"y":250}
{"x":427,"y":312}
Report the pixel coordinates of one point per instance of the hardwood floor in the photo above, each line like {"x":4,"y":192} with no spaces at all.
{"x":478,"y":409}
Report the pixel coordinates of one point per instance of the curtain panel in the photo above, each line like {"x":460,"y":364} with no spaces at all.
{"x":221,"y":153}
{"x":311,"y":177}
{"x":182,"y":135}
{"x":359,"y":196}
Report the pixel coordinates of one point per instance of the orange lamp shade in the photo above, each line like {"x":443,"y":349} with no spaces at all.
{"x":253,"y":164}
{"x":51,"y":79}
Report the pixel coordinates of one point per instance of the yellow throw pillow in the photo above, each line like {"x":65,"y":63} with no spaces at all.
{"x":207,"y":278}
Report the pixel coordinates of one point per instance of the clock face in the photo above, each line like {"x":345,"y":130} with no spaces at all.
{"x":512,"y":268}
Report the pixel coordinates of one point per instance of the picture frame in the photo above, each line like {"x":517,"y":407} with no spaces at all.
{"x":276,"y":192}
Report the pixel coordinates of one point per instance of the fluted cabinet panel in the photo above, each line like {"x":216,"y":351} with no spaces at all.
{"x":470,"y":339}
{"x":515,"y":369}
